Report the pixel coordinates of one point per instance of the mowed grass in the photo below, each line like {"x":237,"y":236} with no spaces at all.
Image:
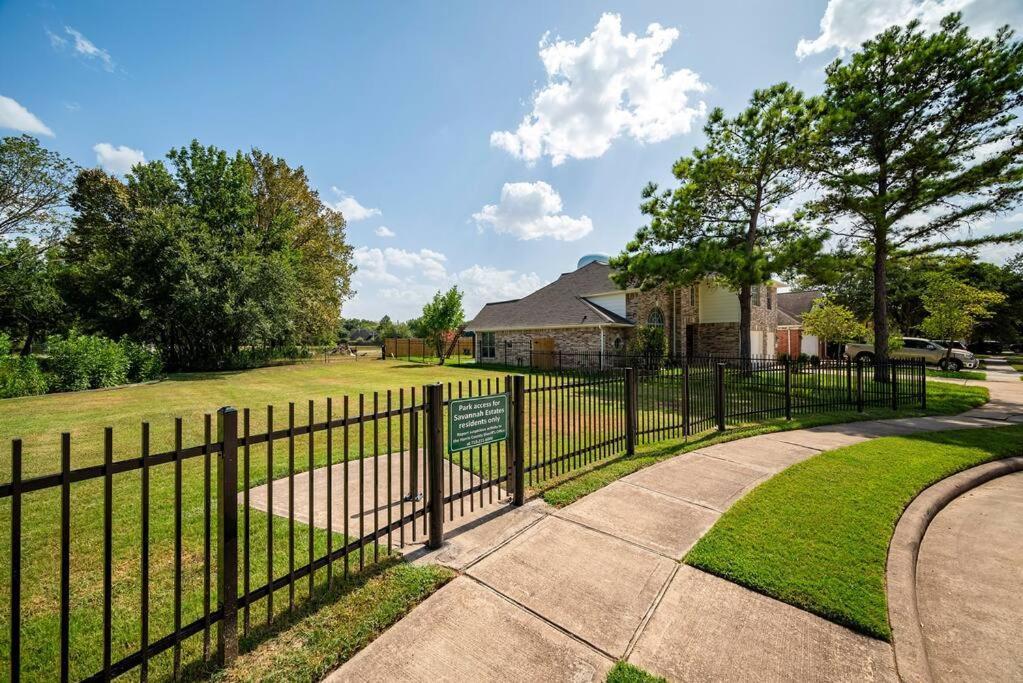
{"x":942,"y":399}
{"x":39,"y":421}
{"x":962,"y":374}
{"x":623,"y":672}
{"x":816,"y":535}
{"x":330,"y":629}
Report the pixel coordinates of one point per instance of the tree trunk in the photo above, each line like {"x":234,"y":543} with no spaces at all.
{"x":745,"y":323}
{"x":880,"y":306}
{"x":27,"y":348}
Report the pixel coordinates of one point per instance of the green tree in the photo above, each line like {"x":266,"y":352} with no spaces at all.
{"x":34,"y":185}
{"x":832,"y":322}
{"x":918,"y":141}
{"x":30,"y":305}
{"x":953,"y":308}
{"x":207,"y":257}
{"x":440,"y":318}
{"x":722,"y":221}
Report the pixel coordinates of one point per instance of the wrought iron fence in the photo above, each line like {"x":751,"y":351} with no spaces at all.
{"x":290,"y":509}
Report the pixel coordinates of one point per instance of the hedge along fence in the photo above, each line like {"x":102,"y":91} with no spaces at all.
{"x":156,"y":561}
{"x":421,"y":350}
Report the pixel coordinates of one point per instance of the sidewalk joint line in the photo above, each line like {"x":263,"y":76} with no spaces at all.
{"x":559,"y":627}
{"x":650,"y":612}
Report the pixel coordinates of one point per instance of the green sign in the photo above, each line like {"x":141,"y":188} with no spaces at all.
{"x":477,"y":421}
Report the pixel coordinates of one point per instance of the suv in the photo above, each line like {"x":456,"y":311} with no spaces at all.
{"x":914,"y":347}
{"x":950,"y":344}
{"x":986,"y":346}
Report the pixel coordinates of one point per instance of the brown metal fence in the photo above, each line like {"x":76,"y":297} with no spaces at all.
{"x":290,"y":505}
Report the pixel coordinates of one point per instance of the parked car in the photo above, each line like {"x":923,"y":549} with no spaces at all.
{"x":950,"y":344}
{"x":988,"y":347}
{"x":914,"y":347}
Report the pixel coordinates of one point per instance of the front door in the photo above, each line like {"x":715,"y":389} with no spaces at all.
{"x":690,"y":339}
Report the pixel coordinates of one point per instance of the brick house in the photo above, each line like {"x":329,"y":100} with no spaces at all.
{"x":585,"y":312}
{"x":791,"y":339}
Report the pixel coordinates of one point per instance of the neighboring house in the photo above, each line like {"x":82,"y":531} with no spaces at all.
{"x":585,"y":312}
{"x":791,"y":340}
{"x":362,"y":334}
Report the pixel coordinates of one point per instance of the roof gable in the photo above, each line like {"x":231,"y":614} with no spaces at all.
{"x":557,"y":304}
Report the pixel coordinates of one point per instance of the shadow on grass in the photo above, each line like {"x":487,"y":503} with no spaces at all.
{"x":262,"y":632}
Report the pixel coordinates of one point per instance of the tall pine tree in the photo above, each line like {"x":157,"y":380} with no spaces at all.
{"x":723,"y":219}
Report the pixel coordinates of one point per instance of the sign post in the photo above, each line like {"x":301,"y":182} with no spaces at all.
{"x":474,"y":422}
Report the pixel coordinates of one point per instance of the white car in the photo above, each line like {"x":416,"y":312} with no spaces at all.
{"x":915,"y":347}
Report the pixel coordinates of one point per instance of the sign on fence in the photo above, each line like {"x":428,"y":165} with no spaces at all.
{"x":477,"y":421}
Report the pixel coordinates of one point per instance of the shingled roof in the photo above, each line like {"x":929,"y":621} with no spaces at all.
{"x":795,"y":304}
{"x":559,"y":304}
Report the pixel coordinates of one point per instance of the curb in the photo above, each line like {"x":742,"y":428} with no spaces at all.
{"x":903,"y":551}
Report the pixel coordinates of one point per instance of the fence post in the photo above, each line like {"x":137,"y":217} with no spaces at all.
{"x":895,"y":385}
{"x":859,"y":385}
{"x":435,"y":461}
{"x":923,"y":384}
{"x":788,"y":388}
{"x":516,"y":386}
{"x":227,"y":535}
{"x":848,"y":381}
{"x":413,"y":469}
{"x":630,"y":411}
{"x":685,"y":397}
{"x":719,"y":395}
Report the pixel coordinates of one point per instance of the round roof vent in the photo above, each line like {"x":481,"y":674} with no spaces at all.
{"x":592,"y":258}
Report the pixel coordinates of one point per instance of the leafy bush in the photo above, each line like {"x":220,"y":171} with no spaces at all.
{"x":20,"y":377}
{"x":86,"y":362}
{"x":143,"y":364}
{"x":648,"y":340}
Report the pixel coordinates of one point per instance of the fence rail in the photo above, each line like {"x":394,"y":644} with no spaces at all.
{"x":215,"y":551}
{"x":422,"y":351}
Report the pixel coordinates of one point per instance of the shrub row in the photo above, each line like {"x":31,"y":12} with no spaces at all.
{"x":77,"y":362}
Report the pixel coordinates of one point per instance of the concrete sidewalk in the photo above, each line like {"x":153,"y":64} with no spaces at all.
{"x":969,"y":573}
{"x":562,"y":594}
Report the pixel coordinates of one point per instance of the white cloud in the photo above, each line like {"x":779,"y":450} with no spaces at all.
{"x":601,"y":88}
{"x":118,"y":159}
{"x":84,"y":47}
{"x":16,"y":117}
{"x":846,"y":24}
{"x":531,"y":211}
{"x":56,"y":42}
{"x":383,"y":231}
{"x":350,"y":208}
{"x":397,"y":282}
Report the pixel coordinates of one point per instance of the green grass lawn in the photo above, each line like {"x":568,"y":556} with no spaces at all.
{"x":330,"y":629}
{"x":623,"y":672}
{"x":39,"y":421}
{"x":816,"y":535}
{"x":962,"y":374}
{"x":943,"y":398}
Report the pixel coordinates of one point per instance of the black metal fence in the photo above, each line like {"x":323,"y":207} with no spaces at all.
{"x":163,"y":563}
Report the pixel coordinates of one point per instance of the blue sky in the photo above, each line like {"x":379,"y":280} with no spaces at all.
{"x":481,"y":144}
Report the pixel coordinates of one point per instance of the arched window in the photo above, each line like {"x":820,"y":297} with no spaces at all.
{"x":655,"y":319}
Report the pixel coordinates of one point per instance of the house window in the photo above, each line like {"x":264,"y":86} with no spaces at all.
{"x":756,"y":296}
{"x":692,"y":296}
{"x":655,"y":319}
{"x":770,"y":302}
{"x":617,"y":344}
{"x":488,"y":345}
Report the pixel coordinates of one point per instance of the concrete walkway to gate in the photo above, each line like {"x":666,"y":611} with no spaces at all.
{"x":559,"y":595}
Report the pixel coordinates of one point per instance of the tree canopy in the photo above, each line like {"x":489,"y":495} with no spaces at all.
{"x":954,"y":308}
{"x":918,"y":142}
{"x":34,"y":184}
{"x":206,"y":255}
{"x":832,"y":322}
{"x":441,"y":317}
{"x":723,"y":219}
